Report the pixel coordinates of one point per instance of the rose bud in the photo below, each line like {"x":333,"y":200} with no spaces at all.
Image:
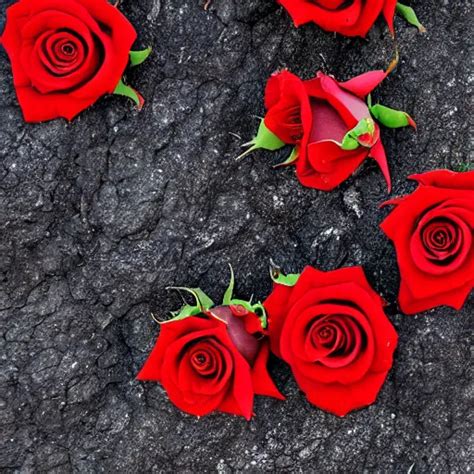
{"x":349,"y":18}
{"x":329,"y":124}
{"x":331,"y":329}
{"x":433,"y":233}
{"x":213,"y":358}
{"x":66,"y":55}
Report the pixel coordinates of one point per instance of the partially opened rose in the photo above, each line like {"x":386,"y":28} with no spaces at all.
{"x":213,"y":358}
{"x":433,"y":233}
{"x":331,"y":329}
{"x":329,"y":124}
{"x":66,"y":54}
{"x":348,"y":17}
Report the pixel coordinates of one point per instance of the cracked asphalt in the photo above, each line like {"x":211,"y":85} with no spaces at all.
{"x":99,"y":216}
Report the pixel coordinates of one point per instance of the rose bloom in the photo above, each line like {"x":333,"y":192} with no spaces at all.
{"x":65,"y":54}
{"x":315,"y":116}
{"x":432,"y":230}
{"x":349,"y":18}
{"x":331,"y":329}
{"x":216,"y":361}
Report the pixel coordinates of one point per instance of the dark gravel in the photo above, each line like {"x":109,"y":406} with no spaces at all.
{"x":97,"y":217}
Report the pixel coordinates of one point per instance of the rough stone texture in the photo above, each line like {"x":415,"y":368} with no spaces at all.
{"x":99,"y":216}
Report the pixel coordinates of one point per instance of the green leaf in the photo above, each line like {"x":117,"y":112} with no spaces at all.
{"x":410,"y":16}
{"x":290,"y":160}
{"x":127,"y":91}
{"x":138,"y":57}
{"x":265,"y":139}
{"x":230,"y":290}
{"x":391,"y":118}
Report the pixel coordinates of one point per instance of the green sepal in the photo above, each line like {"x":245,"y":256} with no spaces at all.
{"x":279,"y":277}
{"x":390,"y":118}
{"x":259,"y":310}
{"x":184,"y":313}
{"x":410,"y":16}
{"x":256,"y":308}
{"x":265,"y":139}
{"x":349,"y":143}
{"x":290,"y":160}
{"x":138,"y":57}
{"x":203,"y":301}
{"x":351,"y":138}
{"x":127,"y":91}
{"x":227,"y":300}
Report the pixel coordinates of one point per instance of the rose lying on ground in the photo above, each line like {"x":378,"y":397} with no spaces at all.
{"x":65,"y":54}
{"x":212,"y":358}
{"x":329,"y":124}
{"x":433,"y":233}
{"x":347,"y":17}
{"x":331,"y":329}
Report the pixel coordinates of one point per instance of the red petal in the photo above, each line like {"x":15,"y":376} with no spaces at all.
{"x":377,"y":152}
{"x":389,"y":13}
{"x":276,"y":307}
{"x":364,"y":84}
{"x":350,"y":107}
{"x":169,"y":332}
{"x":354,"y":20}
{"x":452,"y":298}
{"x":261,"y":379}
{"x":446,"y":179}
{"x":342,"y":399}
{"x":243,"y":387}
{"x":331,"y":165}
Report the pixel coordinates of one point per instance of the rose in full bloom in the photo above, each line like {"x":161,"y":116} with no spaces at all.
{"x":215,"y":360}
{"x":433,"y":233}
{"x":347,"y":17}
{"x":65,"y":54}
{"x":331,"y":329}
{"x":329,"y":124}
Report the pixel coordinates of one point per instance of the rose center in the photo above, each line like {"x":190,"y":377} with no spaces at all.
{"x":62,"y":52}
{"x":205,"y":359}
{"x":441,"y":239}
{"x":334,"y":340}
{"x":68,"y":49}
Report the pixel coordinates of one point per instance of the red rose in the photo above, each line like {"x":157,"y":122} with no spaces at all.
{"x":316,"y":116}
{"x":287,"y":103}
{"x":65,"y":54}
{"x":214,"y":361}
{"x":349,"y":18}
{"x":331,"y":329}
{"x":432,"y":230}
